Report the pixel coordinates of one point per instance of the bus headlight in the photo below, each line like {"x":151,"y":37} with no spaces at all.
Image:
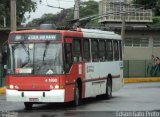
{"x":16,"y":87}
{"x":51,"y":87}
{"x":11,"y":86}
{"x":56,"y":86}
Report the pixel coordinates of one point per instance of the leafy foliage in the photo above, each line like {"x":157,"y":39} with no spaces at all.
{"x":23,"y":6}
{"x":150,"y":4}
{"x":156,"y":21}
{"x":57,"y":19}
{"x":88,"y":8}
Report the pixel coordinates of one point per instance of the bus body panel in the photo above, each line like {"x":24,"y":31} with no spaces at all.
{"x":35,"y":83}
{"x":97,"y":72}
{"x":35,"y":88}
{"x":76,"y":72}
{"x":96,"y":77}
{"x":35,"y":96}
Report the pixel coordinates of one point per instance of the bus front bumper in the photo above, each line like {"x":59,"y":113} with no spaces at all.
{"x":35,"y":96}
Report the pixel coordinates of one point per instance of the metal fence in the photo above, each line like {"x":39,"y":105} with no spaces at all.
{"x":133,"y":13}
{"x":2,"y":78}
{"x":141,"y":68}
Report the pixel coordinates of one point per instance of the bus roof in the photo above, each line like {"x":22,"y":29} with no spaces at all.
{"x":96,"y":33}
{"x":87,"y":33}
{"x":35,"y":30}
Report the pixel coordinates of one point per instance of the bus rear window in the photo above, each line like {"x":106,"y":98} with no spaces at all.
{"x":35,"y":37}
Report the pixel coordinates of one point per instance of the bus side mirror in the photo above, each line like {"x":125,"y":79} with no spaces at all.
{"x":4,"y":49}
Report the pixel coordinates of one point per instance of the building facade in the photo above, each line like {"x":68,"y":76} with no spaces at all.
{"x":112,"y":11}
{"x":141,"y":41}
{"x":142,"y":48}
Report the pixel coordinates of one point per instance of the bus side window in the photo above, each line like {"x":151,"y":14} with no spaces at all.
{"x":102,"y":50}
{"x":120,"y":49}
{"x":94,"y":45}
{"x":77,"y":50}
{"x":109,"y":50}
{"x":68,"y":57}
{"x":116,"y":50}
{"x":86,"y":46}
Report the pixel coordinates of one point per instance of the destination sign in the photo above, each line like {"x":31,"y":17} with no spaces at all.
{"x":36,"y":37}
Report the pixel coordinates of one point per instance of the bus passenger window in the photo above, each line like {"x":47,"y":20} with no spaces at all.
{"x":77,"y":50}
{"x":109,"y":50}
{"x":86,"y":50}
{"x":94,"y":51}
{"x":68,"y":57}
{"x":116,"y":50}
{"x":102,"y":50}
{"x":120,"y":49}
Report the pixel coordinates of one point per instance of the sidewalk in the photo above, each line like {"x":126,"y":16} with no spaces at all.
{"x":2,"y":90}
{"x":126,"y":80}
{"x":136,"y":80}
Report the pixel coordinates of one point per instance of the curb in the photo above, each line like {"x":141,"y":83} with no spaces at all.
{"x":2,"y":90}
{"x":136,"y":80}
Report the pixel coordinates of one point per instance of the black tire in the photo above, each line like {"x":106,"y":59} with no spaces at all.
{"x":77,"y":98}
{"x":109,"y":88}
{"x":28,"y":105}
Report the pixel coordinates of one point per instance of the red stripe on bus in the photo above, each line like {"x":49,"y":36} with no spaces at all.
{"x":94,"y":79}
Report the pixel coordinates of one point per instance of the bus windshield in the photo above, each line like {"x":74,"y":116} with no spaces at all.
{"x":36,"y":58}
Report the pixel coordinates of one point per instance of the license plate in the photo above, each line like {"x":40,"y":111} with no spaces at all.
{"x":33,"y":99}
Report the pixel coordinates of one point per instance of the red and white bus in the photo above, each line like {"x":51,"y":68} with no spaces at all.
{"x":63,"y":65}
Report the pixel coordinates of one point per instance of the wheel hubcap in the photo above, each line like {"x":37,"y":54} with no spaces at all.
{"x":109,"y":90}
{"x":77,"y":96}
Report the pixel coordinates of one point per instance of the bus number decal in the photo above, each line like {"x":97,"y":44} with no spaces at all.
{"x":51,"y":80}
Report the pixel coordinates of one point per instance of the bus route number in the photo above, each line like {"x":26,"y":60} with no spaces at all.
{"x":51,"y":80}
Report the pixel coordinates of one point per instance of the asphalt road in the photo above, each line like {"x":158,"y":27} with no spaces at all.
{"x":133,"y":100}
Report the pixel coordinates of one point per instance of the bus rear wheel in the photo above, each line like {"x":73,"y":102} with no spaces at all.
{"x":109,"y":88}
{"x":28,"y":105}
{"x":77,"y":98}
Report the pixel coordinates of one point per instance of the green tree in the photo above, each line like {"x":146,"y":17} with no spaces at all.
{"x":47,"y":18}
{"x":23,"y":6}
{"x":150,"y":4}
{"x":88,"y":8}
{"x":59,"y":19}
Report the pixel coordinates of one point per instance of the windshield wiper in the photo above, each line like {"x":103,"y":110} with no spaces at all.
{"x":45,"y":50}
{"x":27,"y":52}
{"x":25,"y":49}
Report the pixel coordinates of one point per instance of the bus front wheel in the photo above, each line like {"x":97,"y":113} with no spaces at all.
{"x":28,"y":105}
{"x":76,"y":101}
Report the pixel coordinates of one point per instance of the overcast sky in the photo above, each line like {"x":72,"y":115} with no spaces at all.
{"x":42,"y":8}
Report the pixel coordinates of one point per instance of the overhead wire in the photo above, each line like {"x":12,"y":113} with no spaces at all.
{"x":47,"y":2}
{"x":59,"y":3}
{"x":66,"y":0}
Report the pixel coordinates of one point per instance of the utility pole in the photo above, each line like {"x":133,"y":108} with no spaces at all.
{"x":123,"y":25}
{"x":76,"y":9}
{"x":13,"y":15}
